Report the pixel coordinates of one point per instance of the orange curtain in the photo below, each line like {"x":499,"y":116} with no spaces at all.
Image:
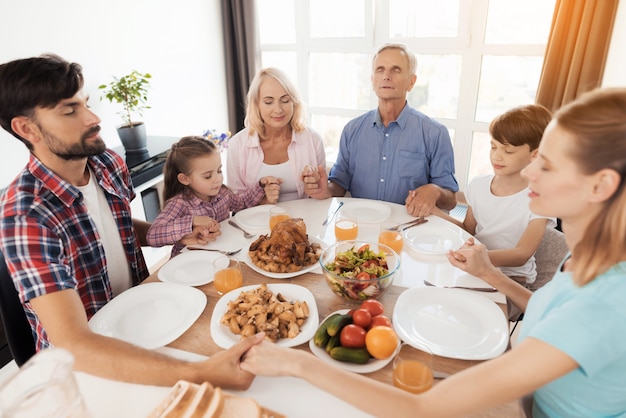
{"x":576,"y":51}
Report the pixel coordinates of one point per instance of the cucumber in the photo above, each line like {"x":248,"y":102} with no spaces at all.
{"x":333,"y":342}
{"x":321,"y":337}
{"x":350,"y":355}
{"x":337,"y":323}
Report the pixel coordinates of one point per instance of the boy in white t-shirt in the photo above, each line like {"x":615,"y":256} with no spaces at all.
{"x":498,"y":214}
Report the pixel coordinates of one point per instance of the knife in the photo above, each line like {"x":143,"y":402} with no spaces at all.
{"x":417,"y":222}
{"x":332,"y":215}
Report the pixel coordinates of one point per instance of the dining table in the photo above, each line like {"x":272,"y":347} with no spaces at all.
{"x":287,"y":395}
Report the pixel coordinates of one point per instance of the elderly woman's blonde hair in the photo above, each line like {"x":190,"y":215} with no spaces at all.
{"x":253,"y":120}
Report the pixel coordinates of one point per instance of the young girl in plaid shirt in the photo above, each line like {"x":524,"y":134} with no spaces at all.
{"x":196,"y":198}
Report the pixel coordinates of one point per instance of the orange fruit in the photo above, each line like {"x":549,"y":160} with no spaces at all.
{"x":381,"y":342}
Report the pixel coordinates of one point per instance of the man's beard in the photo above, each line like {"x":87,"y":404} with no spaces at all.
{"x":75,"y":151}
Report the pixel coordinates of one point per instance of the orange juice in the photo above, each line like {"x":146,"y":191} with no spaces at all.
{"x":346,"y":229}
{"x":276,"y":219}
{"x":392,"y":239}
{"x":227,"y":280}
{"x":412,"y":376}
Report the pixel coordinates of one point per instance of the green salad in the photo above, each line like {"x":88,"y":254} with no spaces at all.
{"x":353,"y":263}
{"x":355,"y":270}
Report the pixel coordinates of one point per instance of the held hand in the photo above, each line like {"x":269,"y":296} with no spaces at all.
{"x":271,"y":186}
{"x":225,"y":369}
{"x":316,"y":182}
{"x":472,"y":258}
{"x":268,"y":359}
{"x":422,"y":201}
{"x":201,"y":234}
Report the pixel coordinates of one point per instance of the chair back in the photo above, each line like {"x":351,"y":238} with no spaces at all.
{"x":549,"y":255}
{"x":16,"y":327}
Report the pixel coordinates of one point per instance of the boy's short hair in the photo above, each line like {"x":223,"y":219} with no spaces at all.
{"x":521,"y":125}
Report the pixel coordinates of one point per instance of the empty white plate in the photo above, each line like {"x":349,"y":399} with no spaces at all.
{"x":451,"y":322}
{"x":434,"y":237}
{"x":369,"y":211}
{"x":256,"y":217}
{"x":190,"y":268}
{"x":150,"y":315}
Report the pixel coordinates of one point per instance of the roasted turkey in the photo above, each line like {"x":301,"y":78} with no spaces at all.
{"x":286,"y":249}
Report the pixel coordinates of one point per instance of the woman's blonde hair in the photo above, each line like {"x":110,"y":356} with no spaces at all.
{"x":254,"y":121}
{"x":597,"y":121}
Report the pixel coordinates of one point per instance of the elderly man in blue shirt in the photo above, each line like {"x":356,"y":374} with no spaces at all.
{"x":393,"y":153}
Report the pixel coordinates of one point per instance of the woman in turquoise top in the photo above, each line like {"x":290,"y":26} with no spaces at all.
{"x":571,"y":354}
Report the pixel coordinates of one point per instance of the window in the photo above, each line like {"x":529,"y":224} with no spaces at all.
{"x":475,"y":60}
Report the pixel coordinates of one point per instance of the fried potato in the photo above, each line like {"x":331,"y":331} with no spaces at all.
{"x":261,"y":310}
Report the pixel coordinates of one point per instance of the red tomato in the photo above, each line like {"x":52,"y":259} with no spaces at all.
{"x":380,"y":320}
{"x":362,"y":318}
{"x":352,"y":336}
{"x":370,"y":263}
{"x":363,"y":276}
{"x":374,"y":306}
{"x":363,"y":248}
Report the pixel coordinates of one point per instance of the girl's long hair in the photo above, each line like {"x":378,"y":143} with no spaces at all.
{"x":179,"y":161}
{"x":597,"y":121}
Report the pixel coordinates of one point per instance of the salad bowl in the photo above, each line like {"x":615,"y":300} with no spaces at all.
{"x":359,"y":270}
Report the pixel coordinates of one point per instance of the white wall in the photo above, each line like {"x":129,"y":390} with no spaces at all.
{"x":179,"y":43}
{"x":615,"y":71}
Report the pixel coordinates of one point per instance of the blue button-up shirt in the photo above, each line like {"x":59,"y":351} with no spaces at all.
{"x":385,"y":163}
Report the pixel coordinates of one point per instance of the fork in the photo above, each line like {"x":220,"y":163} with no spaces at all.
{"x":477,"y":289}
{"x":246,"y":234}
{"x":214,"y":249}
{"x":409,"y":224}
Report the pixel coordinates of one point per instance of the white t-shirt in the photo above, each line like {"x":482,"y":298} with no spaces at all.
{"x":502,"y":220}
{"x":118,"y":269}
{"x":289,"y":187}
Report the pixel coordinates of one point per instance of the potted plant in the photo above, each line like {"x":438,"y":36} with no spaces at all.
{"x":131,"y":91}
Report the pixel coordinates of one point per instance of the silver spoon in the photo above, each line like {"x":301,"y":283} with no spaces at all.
{"x":214,"y":249}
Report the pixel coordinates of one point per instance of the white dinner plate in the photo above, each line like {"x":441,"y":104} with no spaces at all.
{"x":224,"y":338}
{"x":451,"y":322}
{"x":245,"y":257}
{"x":189,"y":268}
{"x":370,"y":211}
{"x":256,"y":217}
{"x":368,"y":367}
{"x":150,"y":315}
{"x":434,"y":238}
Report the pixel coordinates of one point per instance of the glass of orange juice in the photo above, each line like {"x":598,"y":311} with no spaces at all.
{"x":413,"y":369}
{"x":278,"y":214}
{"x":227,"y":274}
{"x":346,"y":228}
{"x":392,"y":239}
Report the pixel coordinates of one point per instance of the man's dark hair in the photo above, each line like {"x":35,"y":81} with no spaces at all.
{"x":35,"y":82}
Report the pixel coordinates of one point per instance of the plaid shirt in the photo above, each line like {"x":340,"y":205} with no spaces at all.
{"x":51,"y":243}
{"x":175,"y":220}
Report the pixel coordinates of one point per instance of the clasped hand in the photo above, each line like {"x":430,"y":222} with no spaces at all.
{"x":204,"y":229}
{"x":271,"y":187}
{"x":471,"y":258}
{"x":315,"y":182}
